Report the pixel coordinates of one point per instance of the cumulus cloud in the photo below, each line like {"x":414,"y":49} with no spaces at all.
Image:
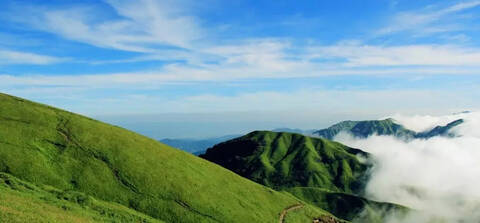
{"x":439,"y":177}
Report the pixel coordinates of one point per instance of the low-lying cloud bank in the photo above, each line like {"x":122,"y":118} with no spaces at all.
{"x":439,"y":176}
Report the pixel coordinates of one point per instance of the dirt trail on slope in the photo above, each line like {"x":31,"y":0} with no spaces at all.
{"x":291,"y":208}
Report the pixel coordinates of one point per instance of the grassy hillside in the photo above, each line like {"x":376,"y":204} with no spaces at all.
{"x":320,"y":172}
{"x":283,"y":160}
{"x":21,"y":201}
{"x":48,"y":147}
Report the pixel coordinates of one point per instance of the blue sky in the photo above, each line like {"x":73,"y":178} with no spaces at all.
{"x":202,"y":68}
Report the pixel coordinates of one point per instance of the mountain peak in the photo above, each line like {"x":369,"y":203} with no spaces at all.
{"x":389,"y":126}
{"x":270,"y":157}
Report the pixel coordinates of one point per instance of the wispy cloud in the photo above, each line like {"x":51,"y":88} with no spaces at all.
{"x":402,"y":55}
{"x":16,"y":57}
{"x":140,"y":26}
{"x":179,"y":75}
{"x":431,"y":19}
{"x":308,"y":102}
{"x":163,"y":30}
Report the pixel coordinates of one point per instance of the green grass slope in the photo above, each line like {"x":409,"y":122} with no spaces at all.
{"x":50,"y":147}
{"x":318,"y":171}
{"x":21,"y":201}
{"x":283,"y":160}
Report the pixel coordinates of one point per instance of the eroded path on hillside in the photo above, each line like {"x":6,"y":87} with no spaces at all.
{"x":286,"y":210}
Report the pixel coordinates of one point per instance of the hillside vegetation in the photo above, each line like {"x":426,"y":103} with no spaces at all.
{"x":318,"y":171}
{"x":283,"y":160}
{"x":51,"y":148}
{"x":21,"y":201}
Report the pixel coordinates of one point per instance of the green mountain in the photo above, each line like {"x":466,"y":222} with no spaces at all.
{"x":283,"y":160}
{"x":199,"y":146}
{"x":318,"y":171}
{"x":57,"y":166}
{"x":299,"y":131}
{"x":363,"y":129}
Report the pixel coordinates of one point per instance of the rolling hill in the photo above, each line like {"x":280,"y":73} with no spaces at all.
{"x":283,"y":160}
{"x":93,"y":172}
{"x":318,"y":171}
{"x":363,"y":129}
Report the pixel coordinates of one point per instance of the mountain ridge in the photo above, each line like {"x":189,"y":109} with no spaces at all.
{"x":363,"y":129}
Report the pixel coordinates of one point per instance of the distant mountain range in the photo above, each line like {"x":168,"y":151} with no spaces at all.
{"x":364,"y":129}
{"x":360,"y":129}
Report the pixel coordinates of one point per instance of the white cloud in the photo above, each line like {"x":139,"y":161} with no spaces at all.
{"x":148,"y":26}
{"x":308,"y":102}
{"x":142,"y":26}
{"x":261,"y":53}
{"x":235,"y":68}
{"x":403,"y":55}
{"x":438,"y":176}
{"x":421,"y":123}
{"x":16,"y":57}
{"x":432,"y":19}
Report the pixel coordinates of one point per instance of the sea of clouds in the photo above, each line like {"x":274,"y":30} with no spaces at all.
{"x":439,"y":177}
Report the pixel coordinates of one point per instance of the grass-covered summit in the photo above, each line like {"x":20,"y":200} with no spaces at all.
{"x":283,"y":160}
{"x":62,"y":154}
{"x":320,"y":172}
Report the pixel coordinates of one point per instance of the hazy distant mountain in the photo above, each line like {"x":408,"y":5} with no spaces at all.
{"x":440,"y":130}
{"x":196,"y":146}
{"x":364,"y":129}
